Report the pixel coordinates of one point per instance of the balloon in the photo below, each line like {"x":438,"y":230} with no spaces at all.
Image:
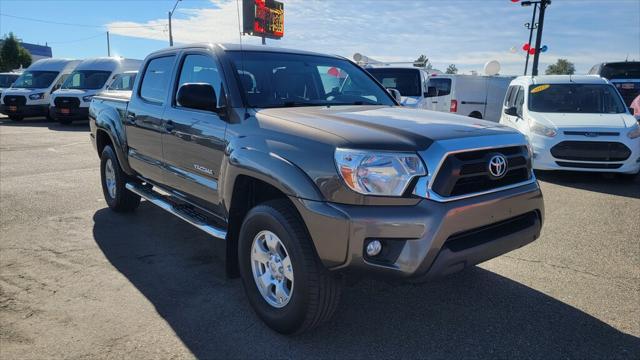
{"x":526,"y":47}
{"x":334,"y":72}
{"x":544,"y":48}
{"x":532,"y":51}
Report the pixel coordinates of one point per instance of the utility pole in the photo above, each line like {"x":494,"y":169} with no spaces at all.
{"x":108,"y":45}
{"x":170,"y":15}
{"x":536,"y":55}
{"x":532,"y":25}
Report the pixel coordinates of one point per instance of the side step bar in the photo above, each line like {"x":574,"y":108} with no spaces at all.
{"x":159,"y":200}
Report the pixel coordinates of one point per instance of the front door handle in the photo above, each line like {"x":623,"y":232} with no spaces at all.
{"x":434,"y":102}
{"x":131,"y":118}
{"x":169,"y":126}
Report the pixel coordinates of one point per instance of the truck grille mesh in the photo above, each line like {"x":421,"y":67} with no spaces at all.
{"x":468,"y":172}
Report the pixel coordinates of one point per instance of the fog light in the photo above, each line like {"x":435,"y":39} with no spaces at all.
{"x":374,"y":247}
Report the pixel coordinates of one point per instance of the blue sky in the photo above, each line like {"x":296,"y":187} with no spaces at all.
{"x":464,"y":32}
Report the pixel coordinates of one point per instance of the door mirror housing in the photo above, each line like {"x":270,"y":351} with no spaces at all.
{"x":199,"y":96}
{"x":431,"y":92}
{"x":633,"y":111}
{"x":395,"y":93}
{"x":511,"y":111}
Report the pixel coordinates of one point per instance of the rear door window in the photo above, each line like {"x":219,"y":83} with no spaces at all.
{"x":156,"y":79}
{"x":442,"y":85}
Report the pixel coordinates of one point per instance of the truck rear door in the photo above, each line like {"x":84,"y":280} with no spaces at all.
{"x":143,"y":123}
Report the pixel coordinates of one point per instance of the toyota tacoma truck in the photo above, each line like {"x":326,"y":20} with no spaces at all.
{"x":309,"y":172}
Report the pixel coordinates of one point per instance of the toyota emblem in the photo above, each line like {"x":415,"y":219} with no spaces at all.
{"x":497,"y":166}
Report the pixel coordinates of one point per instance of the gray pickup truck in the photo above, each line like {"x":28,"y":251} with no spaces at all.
{"x":309,"y":172}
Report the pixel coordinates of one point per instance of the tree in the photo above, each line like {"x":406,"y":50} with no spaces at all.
{"x":561,"y":67}
{"x":13,"y":55}
{"x":422,"y":61}
{"x":451,"y":69}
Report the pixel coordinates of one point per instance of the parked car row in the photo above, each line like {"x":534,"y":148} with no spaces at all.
{"x":62,"y":89}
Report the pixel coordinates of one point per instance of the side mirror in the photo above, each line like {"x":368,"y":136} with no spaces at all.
{"x":56,"y":87}
{"x":395,"y":93}
{"x":431,"y":92}
{"x":200,"y":96}
{"x":632,"y":111}
{"x":511,"y":111}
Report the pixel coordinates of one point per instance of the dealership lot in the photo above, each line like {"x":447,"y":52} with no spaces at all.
{"x":79,"y":281}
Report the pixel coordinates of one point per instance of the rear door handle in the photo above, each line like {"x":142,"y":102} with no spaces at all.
{"x":434,"y":102}
{"x":169,"y":126}
{"x":131,"y":118}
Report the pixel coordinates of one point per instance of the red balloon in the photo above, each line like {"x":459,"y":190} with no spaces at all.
{"x":526,"y":47}
{"x":532,"y":51}
{"x":514,"y":1}
{"x":334,"y":72}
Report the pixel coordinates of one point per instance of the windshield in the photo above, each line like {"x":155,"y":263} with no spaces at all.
{"x":35,"y":79}
{"x":283,"y":79}
{"x":7,"y":80}
{"x":86,"y":79}
{"x":407,"y":81}
{"x":575,"y":98}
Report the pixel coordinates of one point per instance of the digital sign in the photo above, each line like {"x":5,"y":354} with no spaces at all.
{"x":263,"y":18}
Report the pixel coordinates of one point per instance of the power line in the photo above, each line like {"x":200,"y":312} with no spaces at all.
{"x":81,"y":25}
{"x":77,"y":40}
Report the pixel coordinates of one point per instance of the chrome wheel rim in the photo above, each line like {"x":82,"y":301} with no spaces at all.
{"x":110,"y":178}
{"x":272,"y":269}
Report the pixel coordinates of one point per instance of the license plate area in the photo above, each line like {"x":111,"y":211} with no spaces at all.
{"x":13,"y":108}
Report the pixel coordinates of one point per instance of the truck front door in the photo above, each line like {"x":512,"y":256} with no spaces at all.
{"x":194,"y":140}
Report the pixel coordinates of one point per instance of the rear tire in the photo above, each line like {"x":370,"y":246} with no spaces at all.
{"x":113,"y":180}
{"x":314,"y":292}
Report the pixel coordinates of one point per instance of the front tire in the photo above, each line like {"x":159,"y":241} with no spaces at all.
{"x":113,"y":179}
{"x":285,"y":282}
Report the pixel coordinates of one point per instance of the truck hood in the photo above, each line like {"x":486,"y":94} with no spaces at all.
{"x":569,"y":120}
{"x":384,"y":127}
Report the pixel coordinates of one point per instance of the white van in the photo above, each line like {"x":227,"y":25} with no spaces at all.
{"x":410,"y":82}
{"x":90,"y":77}
{"x":577,"y":123}
{"x":476,"y":96}
{"x":29,"y":95}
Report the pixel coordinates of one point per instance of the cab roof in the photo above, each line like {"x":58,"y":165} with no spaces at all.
{"x":560,"y":79}
{"x":243,"y":47}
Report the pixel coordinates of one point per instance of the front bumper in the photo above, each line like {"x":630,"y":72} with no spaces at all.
{"x":74,"y":113}
{"x":544,"y":160}
{"x":24,"y":110}
{"x":427,"y":240}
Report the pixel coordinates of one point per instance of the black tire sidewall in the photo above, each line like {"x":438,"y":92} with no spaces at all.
{"x":288,"y":318}
{"x":108,"y":153}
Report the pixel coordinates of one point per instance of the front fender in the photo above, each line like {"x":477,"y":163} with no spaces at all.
{"x":268,"y":167}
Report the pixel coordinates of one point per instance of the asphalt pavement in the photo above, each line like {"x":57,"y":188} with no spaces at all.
{"x":79,"y":281}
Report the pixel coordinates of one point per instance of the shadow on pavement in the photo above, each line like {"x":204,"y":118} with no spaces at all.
{"x":470,"y":315}
{"x":77,"y":125}
{"x":607,"y":183}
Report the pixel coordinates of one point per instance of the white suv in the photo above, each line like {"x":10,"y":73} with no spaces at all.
{"x":575,"y":123}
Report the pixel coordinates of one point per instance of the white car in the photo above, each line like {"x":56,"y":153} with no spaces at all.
{"x":577,"y":123}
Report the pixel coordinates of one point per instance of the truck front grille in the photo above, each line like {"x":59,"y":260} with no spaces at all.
{"x":591,"y":151}
{"x":14,"y":100}
{"x":468,"y":172}
{"x":64,"y":102}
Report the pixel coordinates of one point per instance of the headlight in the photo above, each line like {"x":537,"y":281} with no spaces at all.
{"x":87,"y":98}
{"x":378,"y":173}
{"x":543,"y":130}
{"x":37,"y":96}
{"x":635,"y":131}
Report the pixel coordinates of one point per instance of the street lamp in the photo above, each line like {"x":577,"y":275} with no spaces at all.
{"x":171,"y":14}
